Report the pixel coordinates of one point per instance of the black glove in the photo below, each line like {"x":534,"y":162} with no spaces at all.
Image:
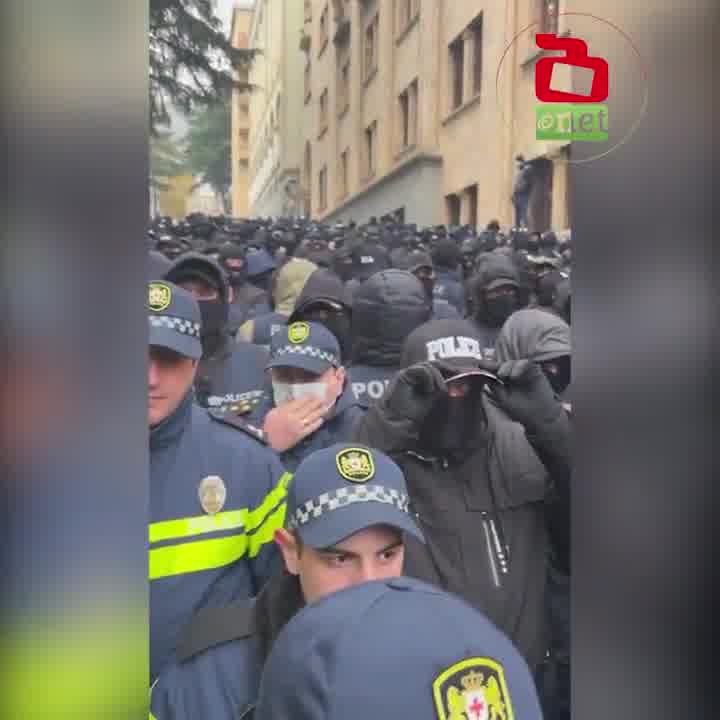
{"x":414,"y":391}
{"x":526,"y":396}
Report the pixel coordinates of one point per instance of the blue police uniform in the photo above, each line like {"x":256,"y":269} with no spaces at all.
{"x":266,"y":325}
{"x":313,"y":348}
{"x":234,"y":375}
{"x":221,"y":656}
{"x":339,"y":426}
{"x":395,"y":648}
{"x":217,"y":494}
{"x":369,"y":383}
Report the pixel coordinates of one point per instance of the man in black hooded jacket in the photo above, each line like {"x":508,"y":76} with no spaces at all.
{"x":480,"y":458}
{"x":543,"y":337}
{"x":230,"y":374}
{"x":386,"y":309}
{"x":495,"y":293}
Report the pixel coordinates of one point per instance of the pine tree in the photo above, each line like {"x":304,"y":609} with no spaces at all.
{"x":191,"y":59}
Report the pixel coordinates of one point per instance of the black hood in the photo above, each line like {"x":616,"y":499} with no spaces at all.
{"x":386,"y":309}
{"x":533,"y":334}
{"x":197,"y":265}
{"x":457,"y":343}
{"x":490,"y":268}
{"x":323,"y":284}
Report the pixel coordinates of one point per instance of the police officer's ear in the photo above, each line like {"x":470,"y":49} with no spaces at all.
{"x":290,"y":548}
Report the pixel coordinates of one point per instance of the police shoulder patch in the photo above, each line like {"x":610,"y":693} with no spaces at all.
{"x":159,"y":296}
{"x":355,"y":464}
{"x":472,"y":689}
{"x":235,"y":421}
{"x":298,"y":332}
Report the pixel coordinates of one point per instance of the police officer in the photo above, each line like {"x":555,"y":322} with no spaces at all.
{"x":311,"y":405}
{"x":395,"y":648}
{"x":386,"y":309}
{"x":347,"y":512}
{"x":230,"y":374}
{"x":216,"y":492}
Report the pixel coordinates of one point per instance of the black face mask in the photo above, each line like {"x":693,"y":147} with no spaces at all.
{"x":557,"y":371}
{"x":498,"y":309}
{"x":214,"y":317}
{"x":451,"y":428}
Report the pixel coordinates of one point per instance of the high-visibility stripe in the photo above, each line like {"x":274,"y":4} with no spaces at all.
{"x":257,"y":517}
{"x":189,"y":527}
{"x":267,"y":532}
{"x":196,"y":555}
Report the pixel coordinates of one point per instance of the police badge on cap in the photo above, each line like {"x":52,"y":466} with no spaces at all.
{"x":355,"y":465}
{"x":473,"y":688}
{"x":159,"y":296}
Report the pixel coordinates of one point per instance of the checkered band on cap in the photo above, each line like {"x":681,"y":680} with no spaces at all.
{"x":308,"y":351}
{"x":185,"y":327}
{"x":329,"y":501}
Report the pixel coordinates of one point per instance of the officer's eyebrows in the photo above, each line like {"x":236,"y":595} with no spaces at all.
{"x":334,"y":550}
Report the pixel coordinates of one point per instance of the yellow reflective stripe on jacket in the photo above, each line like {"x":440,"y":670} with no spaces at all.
{"x":188,"y":527}
{"x":269,"y":517}
{"x":196,"y":555}
{"x":258,"y":516}
{"x":267,"y":532}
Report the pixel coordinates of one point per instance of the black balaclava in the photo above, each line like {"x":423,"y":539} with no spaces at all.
{"x":214,"y":314}
{"x":557,"y":371}
{"x":451,"y":428}
{"x":498,"y":309}
{"x":232,"y":260}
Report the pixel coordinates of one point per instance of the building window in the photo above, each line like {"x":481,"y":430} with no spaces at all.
{"x":452,"y":205}
{"x":323,"y":30}
{"x":409,"y":115}
{"x":472,"y":198}
{"x":308,"y":87}
{"x":322,"y":189}
{"x":371,"y":47}
{"x":457,"y":72}
{"x":370,"y":149}
{"x":476,"y":35}
{"x":343,"y":173}
{"x":343,"y":96}
{"x":323,"y":111}
{"x":548,"y":16}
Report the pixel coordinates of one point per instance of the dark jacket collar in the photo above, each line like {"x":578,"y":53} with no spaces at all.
{"x":173,"y":426}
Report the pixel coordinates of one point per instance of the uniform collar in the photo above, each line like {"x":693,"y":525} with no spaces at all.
{"x":170,"y":428}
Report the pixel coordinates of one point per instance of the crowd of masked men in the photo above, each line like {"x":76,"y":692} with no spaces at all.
{"x":440,"y":352}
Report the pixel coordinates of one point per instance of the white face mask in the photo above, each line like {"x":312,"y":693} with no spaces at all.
{"x":285,"y":392}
